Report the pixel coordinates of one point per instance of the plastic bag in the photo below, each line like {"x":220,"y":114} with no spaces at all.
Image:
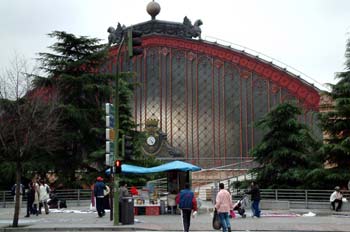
{"x":216,"y":221}
{"x":232,"y":214}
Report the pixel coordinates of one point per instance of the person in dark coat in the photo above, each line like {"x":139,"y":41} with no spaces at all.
{"x":99,"y":194}
{"x":30,"y":199}
{"x":187,"y":203}
{"x":255,"y":198}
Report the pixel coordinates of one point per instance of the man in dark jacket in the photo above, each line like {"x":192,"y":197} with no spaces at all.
{"x":187,"y":202}
{"x":30,"y":199}
{"x":99,"y":194}
{"x":255,"y":198}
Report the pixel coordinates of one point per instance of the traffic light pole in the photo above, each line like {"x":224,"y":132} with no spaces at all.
{"x":133,"y":40}
{"x":116,"y":149}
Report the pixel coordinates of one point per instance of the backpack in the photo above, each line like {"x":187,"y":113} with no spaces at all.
{"x":186,"y":197}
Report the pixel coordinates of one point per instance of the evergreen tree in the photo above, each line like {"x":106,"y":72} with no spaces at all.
{"x":72,"y":69}
{"x":285,"y":151}
{"x":336,"y":125}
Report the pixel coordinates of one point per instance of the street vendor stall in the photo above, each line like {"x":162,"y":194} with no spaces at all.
{"x":148,"y":202}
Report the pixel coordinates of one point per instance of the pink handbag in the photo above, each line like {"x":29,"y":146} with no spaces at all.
{"x":232,"y":214}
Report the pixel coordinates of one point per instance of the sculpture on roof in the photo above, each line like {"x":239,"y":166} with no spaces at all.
{"x":194,"y":30}
{"x":115,"y":35}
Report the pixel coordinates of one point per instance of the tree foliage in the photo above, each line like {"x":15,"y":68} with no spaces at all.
{"x":336,"y":125}
{"x":29,"y":127}
{"x":285,"y":154}
{"x":73,"y":68}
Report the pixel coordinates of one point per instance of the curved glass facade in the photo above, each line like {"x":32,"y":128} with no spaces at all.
{"x":207,"y":97}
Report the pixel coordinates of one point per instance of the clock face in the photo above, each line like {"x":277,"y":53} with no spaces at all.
{"x":151,"y":140}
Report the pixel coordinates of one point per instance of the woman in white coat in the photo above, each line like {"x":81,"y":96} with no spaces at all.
{"x":44,"y":196}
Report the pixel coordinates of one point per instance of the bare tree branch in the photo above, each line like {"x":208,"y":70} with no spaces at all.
{"x":29,"y":120}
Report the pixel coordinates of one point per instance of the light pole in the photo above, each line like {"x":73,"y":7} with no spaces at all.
{"x":134,"y":48}
{"x":116,"y":142}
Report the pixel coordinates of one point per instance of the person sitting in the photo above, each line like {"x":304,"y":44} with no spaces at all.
{"x":336,"y":197}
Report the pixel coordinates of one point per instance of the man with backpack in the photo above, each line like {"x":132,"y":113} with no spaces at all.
{"x":187,"y":202}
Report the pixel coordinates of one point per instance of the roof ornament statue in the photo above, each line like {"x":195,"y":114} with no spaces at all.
{"x":115,"y":35}
{"x":194,"y":30}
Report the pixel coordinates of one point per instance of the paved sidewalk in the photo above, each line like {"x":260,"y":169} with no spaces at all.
{"x":85,"y":220}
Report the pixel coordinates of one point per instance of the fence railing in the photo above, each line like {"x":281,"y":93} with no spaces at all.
{"x":82,"y":197}
{"x":75,"y":197}
{"x":300,"y":195}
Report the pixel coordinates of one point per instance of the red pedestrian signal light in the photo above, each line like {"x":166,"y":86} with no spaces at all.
{"x":118,"y":166}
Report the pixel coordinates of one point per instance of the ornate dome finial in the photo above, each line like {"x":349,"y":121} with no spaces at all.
{"x":153,"y":9}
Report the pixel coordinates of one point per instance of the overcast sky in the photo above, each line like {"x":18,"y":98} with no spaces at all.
{"x":308,"y":35}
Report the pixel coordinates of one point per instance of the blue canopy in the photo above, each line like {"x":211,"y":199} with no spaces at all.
{"x":176,"y":165}
{"x":172,"y":166}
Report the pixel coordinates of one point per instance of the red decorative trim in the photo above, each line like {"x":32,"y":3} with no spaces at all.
{"x":213,"y":106}
{"x":252,"y":112}
{"x":225,"y":126}
{"x":145,"y":89}
{"x":186,"y":101}
{"x":309,"y":95}
{"x":164,"y":52}
{"x":166,"y":94}
{"x":293,"y":86}
{"x":246,"y":117}
{"x":245,"y":74}
{"x":219,"y":64}
{"x":197,"y":110}
{"x":240,"y":119}
{"x":284,"y":81}
{"x":275,"y":77}
{"x":171,"y":99}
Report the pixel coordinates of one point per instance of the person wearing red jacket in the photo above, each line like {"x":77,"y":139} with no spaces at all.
{"x":187,"y":202}
{"x":133,"y":191}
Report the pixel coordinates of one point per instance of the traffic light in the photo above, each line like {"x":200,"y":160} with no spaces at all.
{"x":118,"y":166}
{"x":110,"y":134}
{"x":134,"y":43}
{"x":128,"y":147}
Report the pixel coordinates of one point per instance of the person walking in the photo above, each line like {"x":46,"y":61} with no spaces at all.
{"x":336,"y":197}
{"x":44,"y":191}
{"x":255,"y":198}
{"x":99,"y":194}
{"x":223,"y":206}
{"x":21,"y":193}
{"x":123,"y":192}
{"x":30,"y":199}
{"x":36,"y":197}
{"x":187,"y":202}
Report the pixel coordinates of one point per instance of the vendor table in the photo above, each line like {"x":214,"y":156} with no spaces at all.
{"x":147,"y":209}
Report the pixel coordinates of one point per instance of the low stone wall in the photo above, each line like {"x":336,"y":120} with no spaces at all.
{"x":216,"y":174}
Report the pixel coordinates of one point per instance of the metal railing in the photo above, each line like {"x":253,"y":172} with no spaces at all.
{"x":76,"y":197}
{"x":299,"y":195}
{"x":82,"y":197}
